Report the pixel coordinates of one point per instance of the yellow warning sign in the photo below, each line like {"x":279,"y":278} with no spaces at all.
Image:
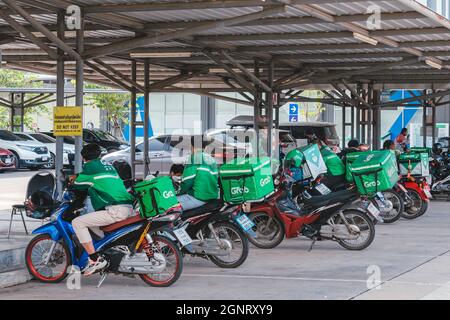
{"x":68,"y":121}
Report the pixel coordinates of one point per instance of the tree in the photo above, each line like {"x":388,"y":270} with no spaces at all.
{"x":115,"y":105}
{"x":18,"y":79}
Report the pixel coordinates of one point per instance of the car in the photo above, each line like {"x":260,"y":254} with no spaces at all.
{"x":166,"y":150}
{"x":104,"y":139}
{"x":325,"y":131}
{"x":51,"y":145}
{"x":71,"y":141}
{"x":32,"y":155}
{"x":7,"y":160}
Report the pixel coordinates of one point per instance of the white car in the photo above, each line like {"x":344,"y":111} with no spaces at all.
{"x":28,"y":154}
{"x":51,"y":145}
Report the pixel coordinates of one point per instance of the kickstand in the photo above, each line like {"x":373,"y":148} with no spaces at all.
{"x":102,"y":279}
{"x":312,"y":244}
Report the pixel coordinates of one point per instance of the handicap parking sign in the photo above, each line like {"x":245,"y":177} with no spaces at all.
{"x":293,"y":118}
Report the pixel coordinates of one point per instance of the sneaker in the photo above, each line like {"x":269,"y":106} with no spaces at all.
{"x":95,"y":266}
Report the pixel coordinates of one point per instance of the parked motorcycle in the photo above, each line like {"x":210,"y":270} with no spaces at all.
{"x":440,"y":172}
{"x":329,"y":217}
{"x":131,"y":247}
{"x":216,"y":232}
{"x":416,"y":195}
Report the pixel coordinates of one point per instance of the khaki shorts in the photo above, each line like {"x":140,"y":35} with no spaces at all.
{"x":93,"y":221}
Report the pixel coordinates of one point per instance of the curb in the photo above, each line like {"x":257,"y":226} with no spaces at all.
{"x":13,"y":270}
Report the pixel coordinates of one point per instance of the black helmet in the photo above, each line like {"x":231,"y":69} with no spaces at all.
{"x":39,"y":205}
{"x":437,"y":148}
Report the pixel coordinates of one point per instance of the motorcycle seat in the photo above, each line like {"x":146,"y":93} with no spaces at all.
{"x":121,"y":224}
{"x":210,"y":206}
{"x":339,"y":196}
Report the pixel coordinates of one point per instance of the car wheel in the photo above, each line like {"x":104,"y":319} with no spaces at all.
{"x":16,"y":160}
{"x":51,"y":162}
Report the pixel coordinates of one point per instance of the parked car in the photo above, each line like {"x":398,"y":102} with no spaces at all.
{"x":104,"y":139}
{"x":166,"y":150}
{"x":7,"y":160}
{"x":28,"y":154}
{"x":71,"y":141}
{"x":325,"y":131}
{"x":51,"y":145}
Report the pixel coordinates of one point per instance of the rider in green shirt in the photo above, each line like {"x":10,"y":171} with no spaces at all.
{"x":199,"y":183}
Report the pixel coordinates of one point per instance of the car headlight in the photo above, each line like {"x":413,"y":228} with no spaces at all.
{"x":24,"y":147}
{"x":123,"y":147}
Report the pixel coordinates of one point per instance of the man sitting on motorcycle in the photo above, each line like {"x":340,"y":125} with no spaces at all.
{"x":110,"y":199}
{"x":200,"y":180}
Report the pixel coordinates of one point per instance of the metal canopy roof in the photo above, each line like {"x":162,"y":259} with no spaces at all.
{"x":211,"y":46}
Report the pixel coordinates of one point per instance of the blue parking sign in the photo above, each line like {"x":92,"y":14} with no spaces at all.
{"x":293,"y":109}
{"x":293,"y":118}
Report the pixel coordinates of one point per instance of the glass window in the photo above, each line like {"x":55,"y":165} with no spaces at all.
{"x":42,"y":138}
{"x":8,"y":136}
{"x":155,"y":145}
{"x":23,"y":136}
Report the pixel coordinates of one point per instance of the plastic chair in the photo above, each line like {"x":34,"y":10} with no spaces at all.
{"x":42,"y":181}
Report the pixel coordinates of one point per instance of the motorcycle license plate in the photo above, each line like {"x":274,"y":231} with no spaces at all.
{"x":244,"y":222}
{"x":373,"y":210}
{"x":428,"y":193}
{"x":323,"y":189}
{"x":183,"y":237}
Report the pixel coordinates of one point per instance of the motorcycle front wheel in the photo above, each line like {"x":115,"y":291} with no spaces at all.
{"x":365,"y":226}
{"x":47,"y":269}
{"x":173,"y":257}
{"x":238,"y":241}
{"x":269,"y":231}
{"x":418,"y":207}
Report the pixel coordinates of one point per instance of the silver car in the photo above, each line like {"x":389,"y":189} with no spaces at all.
{"x":166,"y":150}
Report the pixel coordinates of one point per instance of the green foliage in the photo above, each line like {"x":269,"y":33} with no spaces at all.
{"x":18,"y":79}
{"x":113,"y":103}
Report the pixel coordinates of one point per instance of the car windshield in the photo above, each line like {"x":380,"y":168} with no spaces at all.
{"x":68,"y":140}
{"x":23,"y":136}
{"x":8,"y":136}
{"x":43,"y":138}
{"x":102,"y":135}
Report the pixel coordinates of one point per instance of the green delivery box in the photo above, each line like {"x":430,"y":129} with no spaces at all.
{"x":350,"y":158}
{"x":375,"y":171}
{"x":314,"y":164}
{"x":246,"y":180}
{"x":155,"y":196}
{"x":416,"y":164}
{"x":421,"y":150}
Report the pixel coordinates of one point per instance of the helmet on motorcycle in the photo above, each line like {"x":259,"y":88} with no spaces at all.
{"x":39,"y":205}
{"x":437,"y":148}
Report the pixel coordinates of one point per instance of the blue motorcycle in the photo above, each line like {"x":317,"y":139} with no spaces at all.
{"x":131,"y":247}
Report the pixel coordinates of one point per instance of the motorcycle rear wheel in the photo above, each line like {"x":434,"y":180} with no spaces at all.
{"x":171,"y":253}
{"x":274,"y":231}
{"x":399,"y":206}
{"x":234,"y":234}
{"x":364,"y":223}
{"x":418,"y":208}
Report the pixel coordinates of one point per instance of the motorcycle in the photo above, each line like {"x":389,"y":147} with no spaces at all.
{"x":389,"y":202}
{"x":334,"y":216}
{"x":416,"y":195}
{"x":216,"y":232}
{"x":131,"y":247}
{"x":440,"y":171}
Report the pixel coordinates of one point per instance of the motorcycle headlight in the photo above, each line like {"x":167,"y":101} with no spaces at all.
{"x":24,"y":147}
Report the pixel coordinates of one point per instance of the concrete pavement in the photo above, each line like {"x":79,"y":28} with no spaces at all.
{"x":412,"y":257}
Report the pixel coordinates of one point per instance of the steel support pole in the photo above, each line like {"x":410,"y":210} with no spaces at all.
{"x":22,"y":110}
{"x":376,"y":120}
{"x":60,"y":86}
{"x":257,"y":109}
{"x":13,"y":112}
{"x":79,"y":93}
{"x":344,"y":123}
{"x":146,"y":116}
{"x":133,"y":121}
{"x":269,"y":112}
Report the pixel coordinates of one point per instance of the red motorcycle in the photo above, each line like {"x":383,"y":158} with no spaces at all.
{"x":416,"y":193}
{"x":329,"y":217}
